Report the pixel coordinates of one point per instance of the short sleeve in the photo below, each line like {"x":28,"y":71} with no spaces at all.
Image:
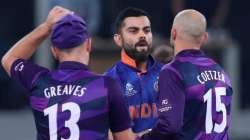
{"x":25,"y":72}
{"x":170,"y":106}
{"x":119,"y":115}
{"x":171,"y":102}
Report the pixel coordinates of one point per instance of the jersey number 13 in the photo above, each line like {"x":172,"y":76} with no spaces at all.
{"x":75,"y":112}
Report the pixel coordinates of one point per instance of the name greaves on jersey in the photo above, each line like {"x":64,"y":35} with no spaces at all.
{"x":76,"y":90}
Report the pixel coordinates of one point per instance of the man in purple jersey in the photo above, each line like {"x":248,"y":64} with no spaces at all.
{"x":194,"y":91}
{"x":71,"y":102}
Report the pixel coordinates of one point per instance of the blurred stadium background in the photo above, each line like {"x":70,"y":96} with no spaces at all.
{"x":228,"y":26}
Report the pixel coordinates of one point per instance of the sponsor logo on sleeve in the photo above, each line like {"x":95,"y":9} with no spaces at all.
{"x":165,"y":106}
{"x":19,"y":66}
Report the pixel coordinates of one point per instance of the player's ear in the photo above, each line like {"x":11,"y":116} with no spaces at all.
{"x":88,"y":44}
{"x":54,"y":52}
{"x":173,"y":33}
{"x":118,"y":40}
{"x":204,"y":38}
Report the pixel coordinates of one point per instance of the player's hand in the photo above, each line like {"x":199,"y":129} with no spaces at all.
{"x":143,"y":132}
{"x":56,"y":14}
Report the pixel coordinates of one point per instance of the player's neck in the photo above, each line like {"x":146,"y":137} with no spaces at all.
{"x":185,"y":45}
{"x":82,"y":59}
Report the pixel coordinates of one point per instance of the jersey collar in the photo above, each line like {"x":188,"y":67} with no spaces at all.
{"x":72,"y":65}
{"x":131,"y":62}
{"x":190,"y":52}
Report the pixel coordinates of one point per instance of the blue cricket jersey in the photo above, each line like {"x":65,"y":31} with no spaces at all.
{"x":139,"y":90}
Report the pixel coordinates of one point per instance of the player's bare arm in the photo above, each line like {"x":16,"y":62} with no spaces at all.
{"x":124,"y":135}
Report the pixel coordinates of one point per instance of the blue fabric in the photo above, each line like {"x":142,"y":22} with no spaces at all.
{"x":139,"y":91}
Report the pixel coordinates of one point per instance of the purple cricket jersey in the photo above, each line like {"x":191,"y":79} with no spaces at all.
{"x":72,"y":102}
{"x":194,"y":99}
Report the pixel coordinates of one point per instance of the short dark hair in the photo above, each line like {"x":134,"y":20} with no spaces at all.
{"x":128,"y":12}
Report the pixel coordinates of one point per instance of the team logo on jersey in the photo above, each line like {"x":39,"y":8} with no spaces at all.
{"x":165,"y":106}
{"x":19,"y":66}
{"x":130,"y":90}
{"x":156,"y":84}
{"x":164,"y":102}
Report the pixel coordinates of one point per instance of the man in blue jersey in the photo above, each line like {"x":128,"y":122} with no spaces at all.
{"x":194,"y":91}
{"x":136,"y":72}
{"x":71,"y":102}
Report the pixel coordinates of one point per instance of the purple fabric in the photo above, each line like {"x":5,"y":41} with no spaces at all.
{"x":68,"y":32}
{"x":101,"y":104}
{"x":185,"y":88}
{"x":171,"y":105}
{"x":39,"y":103}
{"x":25,"y":72}
{"x":91,"y":135}
{"x":119,"y":115}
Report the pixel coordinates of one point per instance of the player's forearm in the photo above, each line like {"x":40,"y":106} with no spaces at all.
{"x":124,"y":135}
{"x":25,"y":47}
{"x":156,"y":135}
{"x":163,"y":130}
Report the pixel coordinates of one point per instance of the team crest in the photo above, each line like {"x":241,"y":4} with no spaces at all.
{"x":130,"y":90}
{"x":19,"y":66}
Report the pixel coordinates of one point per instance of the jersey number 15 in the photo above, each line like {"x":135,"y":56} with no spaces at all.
{"x":220,"y":107}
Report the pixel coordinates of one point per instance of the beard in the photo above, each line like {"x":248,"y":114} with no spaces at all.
{"x":139,"y":52}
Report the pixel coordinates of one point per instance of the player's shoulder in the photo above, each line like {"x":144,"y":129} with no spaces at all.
{"x":172,"y":69}
{"x":113,"y":70}
{"x":169,"y":66}
{"x":158,"y":65}
{"x":20,"y":64}
{"x":89,"y":75}
{"x":109,"y":82}
{"x":106,"y":79}
{"x":96,"y":75}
